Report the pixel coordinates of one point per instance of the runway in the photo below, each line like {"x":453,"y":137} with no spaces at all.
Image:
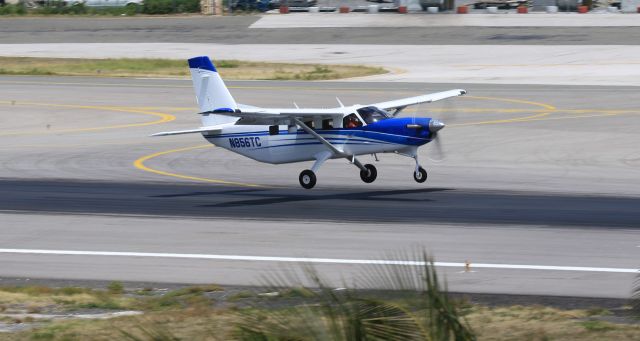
{"x":432,"y":205}
{"x":534,"y":176}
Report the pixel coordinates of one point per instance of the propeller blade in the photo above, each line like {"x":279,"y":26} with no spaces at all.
{"x":437,"y":142}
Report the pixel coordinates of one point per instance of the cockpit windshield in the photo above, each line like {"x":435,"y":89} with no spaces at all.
{"x":373,"y":114}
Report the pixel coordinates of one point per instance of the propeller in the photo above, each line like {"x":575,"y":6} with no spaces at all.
{"x":434,"y":127}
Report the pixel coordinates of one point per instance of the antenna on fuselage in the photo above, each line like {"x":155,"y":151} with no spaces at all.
{"x":339,"y":102}
{"x":296,"y":104}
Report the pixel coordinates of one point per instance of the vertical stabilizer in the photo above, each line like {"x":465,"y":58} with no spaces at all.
{"x":211,"y":93}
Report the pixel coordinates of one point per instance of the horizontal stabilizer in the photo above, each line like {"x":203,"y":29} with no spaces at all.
{"x":209,"y":129}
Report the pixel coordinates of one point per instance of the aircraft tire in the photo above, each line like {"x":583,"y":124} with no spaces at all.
{"x":420,"y":176}
{"x":307,"y":179}
{"x":370,"y":175}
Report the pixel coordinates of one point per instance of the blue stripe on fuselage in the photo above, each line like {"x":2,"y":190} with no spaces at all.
{"x":354,"y":134}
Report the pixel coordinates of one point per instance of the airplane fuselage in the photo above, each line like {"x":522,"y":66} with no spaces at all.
{"x":286,"y":146}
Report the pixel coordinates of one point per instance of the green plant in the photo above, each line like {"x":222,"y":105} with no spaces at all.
{"x":11,"y":9}
{"x":240,"y":295}
{"x":170,"y":6}
{"x":156,"y":332}
{"x":596,"y":326}
{"x":635,"y":297}
{"x":227,"y":64}
{"x":355,"y":315}
{"x":115,"y":287}
{"x":131,"y":9}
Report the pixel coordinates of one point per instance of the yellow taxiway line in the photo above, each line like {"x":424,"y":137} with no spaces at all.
{"x":163,"y":117}
{"x":139,"y":164}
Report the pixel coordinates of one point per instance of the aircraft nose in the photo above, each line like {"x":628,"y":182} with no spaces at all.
{"x":435,"y":125}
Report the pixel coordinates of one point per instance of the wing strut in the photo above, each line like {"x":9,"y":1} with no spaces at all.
{"x":332,"y":148}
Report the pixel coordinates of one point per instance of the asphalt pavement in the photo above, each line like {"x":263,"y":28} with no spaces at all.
{"x":430,"y":205}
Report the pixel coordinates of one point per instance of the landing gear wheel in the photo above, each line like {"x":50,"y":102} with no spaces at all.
{"x":420,"y":176}
{"x":307,"y":179}
{"x":370,"y":174}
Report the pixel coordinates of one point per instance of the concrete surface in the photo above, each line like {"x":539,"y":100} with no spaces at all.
{"x":479,"y":243}
{"x":497,"y":64}
{"x":533,"y":175}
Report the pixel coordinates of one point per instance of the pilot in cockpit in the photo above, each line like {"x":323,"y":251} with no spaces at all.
{"x":352,"y":121}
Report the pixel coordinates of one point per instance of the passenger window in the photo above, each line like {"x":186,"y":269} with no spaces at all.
{"x":327,"y":124}
{"x":351,"y":121}
{"x":274,"y":130}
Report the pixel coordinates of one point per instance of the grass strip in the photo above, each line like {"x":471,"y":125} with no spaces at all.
{"x":130,"y":67}
{"x":196,"y":313}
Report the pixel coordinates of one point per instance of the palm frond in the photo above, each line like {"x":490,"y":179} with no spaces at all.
{"x":352,"y":315}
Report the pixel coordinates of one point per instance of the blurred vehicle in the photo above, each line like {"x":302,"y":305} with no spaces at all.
{"x":250,"y":5}
{"x":443,"y":5}
{"x":501,"y":4}
{"x":112,"y":3}
{"x":292,"y":3}
{"x":105,"y":3}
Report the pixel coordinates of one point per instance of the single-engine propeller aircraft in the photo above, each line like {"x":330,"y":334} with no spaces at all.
{"x":279,"y":136}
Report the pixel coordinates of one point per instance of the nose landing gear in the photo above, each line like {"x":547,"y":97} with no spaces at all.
{"x":420,"y":175}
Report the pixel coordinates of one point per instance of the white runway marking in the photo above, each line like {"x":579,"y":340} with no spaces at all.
{"x":313,"y":260}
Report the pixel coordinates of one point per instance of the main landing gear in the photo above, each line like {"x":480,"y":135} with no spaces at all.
{"x":370,"y":174}
{"x":308,"y":178}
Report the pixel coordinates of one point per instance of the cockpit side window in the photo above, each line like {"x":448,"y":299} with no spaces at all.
{"x":372,"y":114}
{"x":351,"y":121}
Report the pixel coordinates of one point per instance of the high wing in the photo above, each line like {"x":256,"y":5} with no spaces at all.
{"x":268,"y":116}
{"x":400,"y":104}
{"x":262,"y":116}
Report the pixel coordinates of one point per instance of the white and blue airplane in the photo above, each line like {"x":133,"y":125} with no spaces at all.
{"x":278,"y":136}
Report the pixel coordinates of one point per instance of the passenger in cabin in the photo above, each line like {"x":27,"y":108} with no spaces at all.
{"x":351,"y":121}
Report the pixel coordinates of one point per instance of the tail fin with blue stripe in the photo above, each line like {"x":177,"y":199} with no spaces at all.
{"x":211,"y":92}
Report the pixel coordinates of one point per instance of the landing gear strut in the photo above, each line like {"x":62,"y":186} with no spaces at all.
{"x":370,"y":174}
{"x":419,"y":174}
